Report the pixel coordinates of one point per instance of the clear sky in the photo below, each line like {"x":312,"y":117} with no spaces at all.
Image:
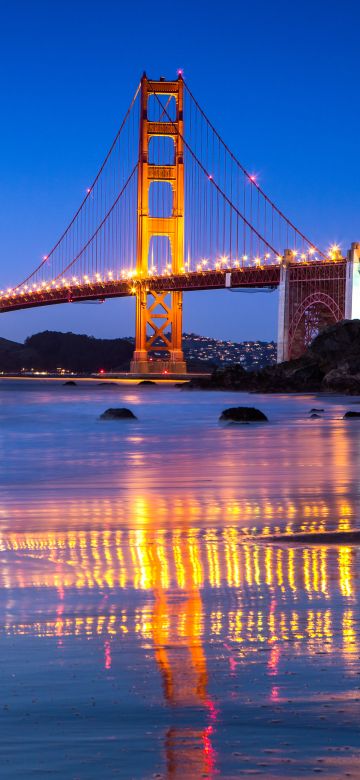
{"x":280,"y":81}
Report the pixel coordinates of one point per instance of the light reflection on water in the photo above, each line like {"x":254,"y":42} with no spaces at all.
{"x":132,"y":553}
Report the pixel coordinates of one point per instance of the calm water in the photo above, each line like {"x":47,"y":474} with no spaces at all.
{"x":146,"y":630}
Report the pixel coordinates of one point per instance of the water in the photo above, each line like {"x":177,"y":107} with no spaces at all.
{"x":146,"y":628}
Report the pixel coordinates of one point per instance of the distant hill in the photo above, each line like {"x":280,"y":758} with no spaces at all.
{"x":14,"y":356}
{"x":212,"y":352}
{"x":51,"y":350}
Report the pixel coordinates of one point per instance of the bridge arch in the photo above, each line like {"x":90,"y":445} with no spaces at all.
{"x":314,"y":313}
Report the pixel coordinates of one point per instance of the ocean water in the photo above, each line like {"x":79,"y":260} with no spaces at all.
{"x":148,"y":628}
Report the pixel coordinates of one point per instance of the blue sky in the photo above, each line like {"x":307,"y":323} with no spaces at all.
{"x":279,"y":80}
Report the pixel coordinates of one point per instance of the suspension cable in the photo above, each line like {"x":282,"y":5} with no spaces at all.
{"x":102,"y":223}
{"x":250,"y":178}
{"x":88,"y":193}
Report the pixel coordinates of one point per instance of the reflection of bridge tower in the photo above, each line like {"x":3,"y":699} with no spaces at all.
{"x":177,"y":631}
{"x":314,"y":295}
{"x":159,"y":322}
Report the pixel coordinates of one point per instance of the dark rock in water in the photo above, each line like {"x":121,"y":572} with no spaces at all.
{"x":315,"y":411}
{"x":118,"y":414}
{"x":243,"y":414}
{"x":348,"y":415}
{"x":107,"y":384}
{"x":70,"y":383}
{"x":315,"y":416}
{"x":316,"y":537}
{"x":147,"y":382}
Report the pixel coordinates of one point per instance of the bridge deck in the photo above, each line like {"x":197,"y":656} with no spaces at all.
{"x":268,"y":276}
{"x":246,"y":277}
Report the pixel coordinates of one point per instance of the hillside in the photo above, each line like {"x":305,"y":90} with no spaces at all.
{"x":51,"y":350}
{"x":331,"y":363}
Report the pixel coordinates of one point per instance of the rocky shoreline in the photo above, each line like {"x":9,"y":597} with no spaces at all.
{"x":331,"y":364}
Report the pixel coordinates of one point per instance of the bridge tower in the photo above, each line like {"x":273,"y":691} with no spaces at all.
{"x":159,"y":314}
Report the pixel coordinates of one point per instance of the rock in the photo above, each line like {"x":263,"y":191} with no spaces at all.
{"x":118,"y":414}
{"x":70,"y":383}
{"x":107,"y":384}
{"x":342,"y":380}
{"x":315,"y":411}
{"x":243,"y":414}
{"x":315,"y":416}
{"x":147,"y":382}
{"x":349,"y":415}
{"x":316,"y":537}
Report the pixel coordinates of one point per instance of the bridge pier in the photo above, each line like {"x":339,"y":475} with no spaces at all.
{"x":352,"y":289}
{"x":163,"y":317}
{"x":283,"y":310}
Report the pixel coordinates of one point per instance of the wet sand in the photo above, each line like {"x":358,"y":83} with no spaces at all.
{"x":147,"y":629}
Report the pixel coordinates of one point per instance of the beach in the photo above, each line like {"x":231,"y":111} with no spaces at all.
{"x":149,"y":625}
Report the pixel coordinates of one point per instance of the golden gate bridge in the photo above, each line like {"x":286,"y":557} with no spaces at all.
{"x":172,"y":210}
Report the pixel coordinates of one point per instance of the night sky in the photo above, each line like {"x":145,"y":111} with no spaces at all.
{"x":279,"y":80}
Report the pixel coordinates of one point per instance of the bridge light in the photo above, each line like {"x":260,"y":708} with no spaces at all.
{"x":45,"y":257}
{"x":312,"y":250}
{"x":245,"y":257}
{"x":334,"y":251}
